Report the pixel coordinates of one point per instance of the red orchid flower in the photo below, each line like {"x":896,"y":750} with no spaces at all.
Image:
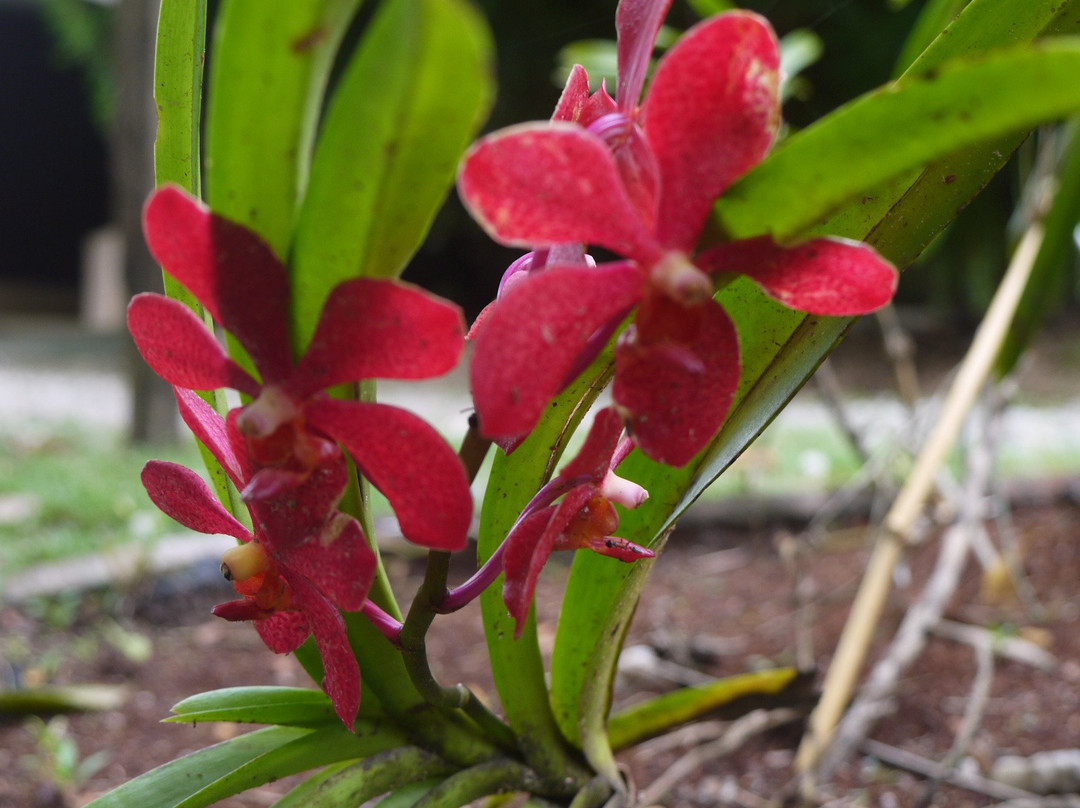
{"x":584,"y":518}
{"x":641,"y":182}
{"x":295,"y":573}
{"x":368,"y":329}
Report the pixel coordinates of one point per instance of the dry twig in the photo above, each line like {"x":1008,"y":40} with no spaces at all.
{"x":906,"y":509}
{"x":737,"y":734}
{"x":910,"y":638}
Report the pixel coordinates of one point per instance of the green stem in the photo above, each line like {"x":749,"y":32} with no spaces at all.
{"x":378,"y":774}
{"x":490,"y":778}
{"x":414,"y":652}
{"x":593,"y":794}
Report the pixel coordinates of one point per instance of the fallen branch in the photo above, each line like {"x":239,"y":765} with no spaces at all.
{"x":909,"y":761}
{"x":737,"y":734}
{"x":907,"y":508}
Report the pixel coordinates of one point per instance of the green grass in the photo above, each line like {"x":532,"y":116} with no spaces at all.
{"x":69,"y":492}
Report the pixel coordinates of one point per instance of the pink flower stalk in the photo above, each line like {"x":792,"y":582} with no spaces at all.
{"x":294,"y":572}
{"x":584,"y":518}
{"x":368,"y":329}
{"x":640,"y":181}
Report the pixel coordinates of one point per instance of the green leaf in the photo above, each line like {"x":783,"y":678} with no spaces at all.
{"x":666,"y":711}
{"x":178,"y":75}
{"x":517,"y":665}
{"x":409,"y":102}
{"x":287,"y":706}
{"x":172,"y":784}
{"x":897,"y":129}
{"x":319,"y":747}
{"x":934,"y":18}
{"x":599,"y":667}
{"x":269,"y":66}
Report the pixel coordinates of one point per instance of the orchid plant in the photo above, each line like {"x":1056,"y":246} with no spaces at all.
{"x":738,"y":264}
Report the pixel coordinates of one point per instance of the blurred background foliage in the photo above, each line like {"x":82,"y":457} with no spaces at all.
{"x":861,"y":46}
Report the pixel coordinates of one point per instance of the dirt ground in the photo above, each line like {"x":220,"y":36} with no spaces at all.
{"x":718,"y":602}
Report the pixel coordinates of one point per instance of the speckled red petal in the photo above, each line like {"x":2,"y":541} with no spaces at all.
{"x":342,"y":679}
{"x":828,"y":276}
{"x":182,"y":494}
{"x":672,"y":407}
{"x":282,"y":632}
{"x":711,"y":113}
{"x":534,"y":335}
{"x":231,"y":271}
{"x":409,"y":462}
{"x":379,"y":329}
{"x":528,"y":548}
{"x":536,"y":185}
{"x":338,"y":561}
{"x":180,"y":348}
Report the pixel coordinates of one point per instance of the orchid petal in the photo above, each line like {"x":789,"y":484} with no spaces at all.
{"x":711,"y":114}
{"x":528,"y":547}
{"x":180,"y":348}
{"x":342,"y":680}
{"x":209,"y":428}
{"x":533,"y":337}
{"x":236,"y":611}
{"x":575,"y":96}
{"x":828,"y":276}
{"x":183,"y":495}
{"x":338,"y":560}
{"x":673,"y":409}
{"x":283,"y":632}
{"x":289,"y":520}
{"x":231,"y":271}
{"x":544,"y":184}
{"x":374,"y":328}
{"x":594,"y":458}
{"x":638,"y":23}
{"x":409,"y":462}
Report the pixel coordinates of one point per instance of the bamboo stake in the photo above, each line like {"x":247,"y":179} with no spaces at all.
{"x":901,"y":519}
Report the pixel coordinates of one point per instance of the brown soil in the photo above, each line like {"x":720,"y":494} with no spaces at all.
{"x":728,"y":594}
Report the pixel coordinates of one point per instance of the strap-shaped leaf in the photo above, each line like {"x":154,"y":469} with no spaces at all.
{"x":668,"y":710}
{"x":898,"y":128}
{"x":286,"y":706}
{"x":268,"y":71}
{"x":408,"y":103}
{"x":178,"y":76}
{"x":175,"y":782}
{"x":319,"y":747}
